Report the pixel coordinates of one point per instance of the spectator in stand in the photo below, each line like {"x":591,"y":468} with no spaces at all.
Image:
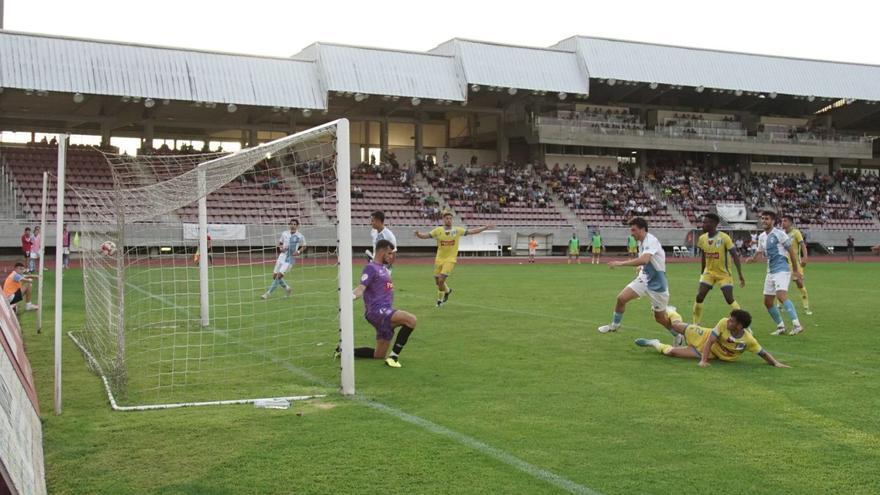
{"x":26,"y":240}
{"x":850,"y":248}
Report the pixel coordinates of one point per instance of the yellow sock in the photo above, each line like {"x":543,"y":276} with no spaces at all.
{"x":440,"y":295}
{"x":664,"y":348}
{"x":698,"y":312}
{"x":673,"y":316}
{"x":735,"y":305}
{"x":805,"y":297}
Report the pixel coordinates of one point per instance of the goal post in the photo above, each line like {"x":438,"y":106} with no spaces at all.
{"x":175,"y":320}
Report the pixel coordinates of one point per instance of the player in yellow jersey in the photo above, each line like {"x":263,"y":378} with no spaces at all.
{"x":726,"y":342}
{"x":447,"y":238}
{"x":800,"y":251}
{"x":717,"y":248}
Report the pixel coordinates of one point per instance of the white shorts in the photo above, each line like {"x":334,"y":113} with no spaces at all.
{"x":35,"y":255}
{"x":282,"y":266}
{"x":775,"y":282}
{"x":532,"y":252}
{"x":659,"y":300}
{"x":67,"y":250}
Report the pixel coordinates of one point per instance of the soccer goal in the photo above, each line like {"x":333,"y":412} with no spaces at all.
{"x":179,"y":254}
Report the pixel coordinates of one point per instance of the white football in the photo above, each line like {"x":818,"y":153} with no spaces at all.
{"x":108,"y":248}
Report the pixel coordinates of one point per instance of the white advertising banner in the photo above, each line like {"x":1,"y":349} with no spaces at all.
{"x":217,"y":231}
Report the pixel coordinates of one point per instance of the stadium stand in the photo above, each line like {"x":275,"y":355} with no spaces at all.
{"x":693,"y":189}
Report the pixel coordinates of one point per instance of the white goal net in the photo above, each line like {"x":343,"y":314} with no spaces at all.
{"x":179,"y":261}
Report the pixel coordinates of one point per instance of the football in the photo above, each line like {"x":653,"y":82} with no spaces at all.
{"x":108,"y":248}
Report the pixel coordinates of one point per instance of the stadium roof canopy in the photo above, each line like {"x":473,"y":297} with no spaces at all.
{"x":375,"y":71}
{"x":451,"y":72}
{"x":674,"y":65}
{"x":50,"y":63}
{"x":507,"y":66}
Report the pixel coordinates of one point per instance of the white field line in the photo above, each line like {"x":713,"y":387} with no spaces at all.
{"x":459,"y":438}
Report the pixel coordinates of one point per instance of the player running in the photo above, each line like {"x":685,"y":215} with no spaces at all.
{"x":726,"y":342}
{"x":597,"y":247}
{"x":574,"y":249}
{"x":377,"y":289}
{"x":651,"y":279}
{"x":379,"y":232}
{"x":447,"y":238}
{"x":773,"y":244}
{"x":717,"y":248}
{"x":800,"y":251}
{"x":533,"y":248}
{"x":291,"y":244}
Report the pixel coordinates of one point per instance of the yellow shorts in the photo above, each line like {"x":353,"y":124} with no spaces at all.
{"x":713,"y":279}
{"x":696,"y":336}
{"x":444,"y":268}
{"x":597,"y":250}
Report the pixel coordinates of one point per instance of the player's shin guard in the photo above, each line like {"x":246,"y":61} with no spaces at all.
{"x":805,"y":298}
{"x":402,"y":336}
{"x":698,"y":313}
{"x":735,"y":305}
{"x":792,"y":313}
{"x":774,"y":313}
{"x":616,"y":319}
{"x":273,"y":286}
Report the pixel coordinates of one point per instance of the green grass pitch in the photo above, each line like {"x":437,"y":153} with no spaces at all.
{"x":510,"y":389}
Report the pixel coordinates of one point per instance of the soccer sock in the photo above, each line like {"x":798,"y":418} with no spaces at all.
{"x":698,"y":312}
{"x":617,"y":318}
{"x":282,"y":283}
{"x":402,"y":336}
{"x":273,"y":286}
{"x":792,"y":313}
{"x":440,"y":294}
{"x":804,"y":297}
{"x":774,"y":313}
{"x":735,"y":305}
{"x":364,"y":352}
{"x":663,"y":348}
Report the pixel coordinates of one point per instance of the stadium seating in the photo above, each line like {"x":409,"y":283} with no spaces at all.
{"x":506,"y":195}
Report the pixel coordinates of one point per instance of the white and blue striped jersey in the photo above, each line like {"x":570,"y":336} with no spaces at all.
{"x":291,"y":242}
{"x":655,"y":270}
{"x":385,"y":235}
{"x":775,"y":246}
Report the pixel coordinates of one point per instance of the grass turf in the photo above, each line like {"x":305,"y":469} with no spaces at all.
{"x":514,"y":361}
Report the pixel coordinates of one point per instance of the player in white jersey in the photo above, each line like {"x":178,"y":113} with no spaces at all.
{"x":651,"y":279}
{"x":775,"y":245}
{"x":380,"y":232}
{"x":290,"y":245}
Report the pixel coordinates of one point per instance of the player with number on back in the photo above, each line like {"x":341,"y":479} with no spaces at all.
{"x":447,"y":238}
{"x":651,"y":279}
{"x":717,"y":248}
{"x":377,"y":289}
{"x":773,"y":244}
{"x":291,"y":244}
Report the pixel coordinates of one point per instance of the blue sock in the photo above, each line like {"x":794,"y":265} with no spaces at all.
{"x":774,"y":313}
{"x":618,"y":317}
{"x":789,"y":308}
{"x":275,"y":285}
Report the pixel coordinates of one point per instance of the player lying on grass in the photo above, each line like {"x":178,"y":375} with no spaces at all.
{"x":377,"y":289}
{"x":726,"y":342}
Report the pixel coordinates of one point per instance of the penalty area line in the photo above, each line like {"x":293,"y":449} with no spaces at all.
{"x":430,"y":426}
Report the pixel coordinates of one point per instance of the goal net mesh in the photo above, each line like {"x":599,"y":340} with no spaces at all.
{"x":147,"y":327}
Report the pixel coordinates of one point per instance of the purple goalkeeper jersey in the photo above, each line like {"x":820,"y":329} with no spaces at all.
{"x":380,"y":289}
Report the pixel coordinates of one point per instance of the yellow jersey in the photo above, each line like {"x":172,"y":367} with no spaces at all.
{"x":730,"y":348}
{"x":797,"y":239}
{"x":717,"y":252}
{"x":447,"y":243}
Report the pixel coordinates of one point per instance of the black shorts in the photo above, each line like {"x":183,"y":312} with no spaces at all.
{"x":16,"y":297}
